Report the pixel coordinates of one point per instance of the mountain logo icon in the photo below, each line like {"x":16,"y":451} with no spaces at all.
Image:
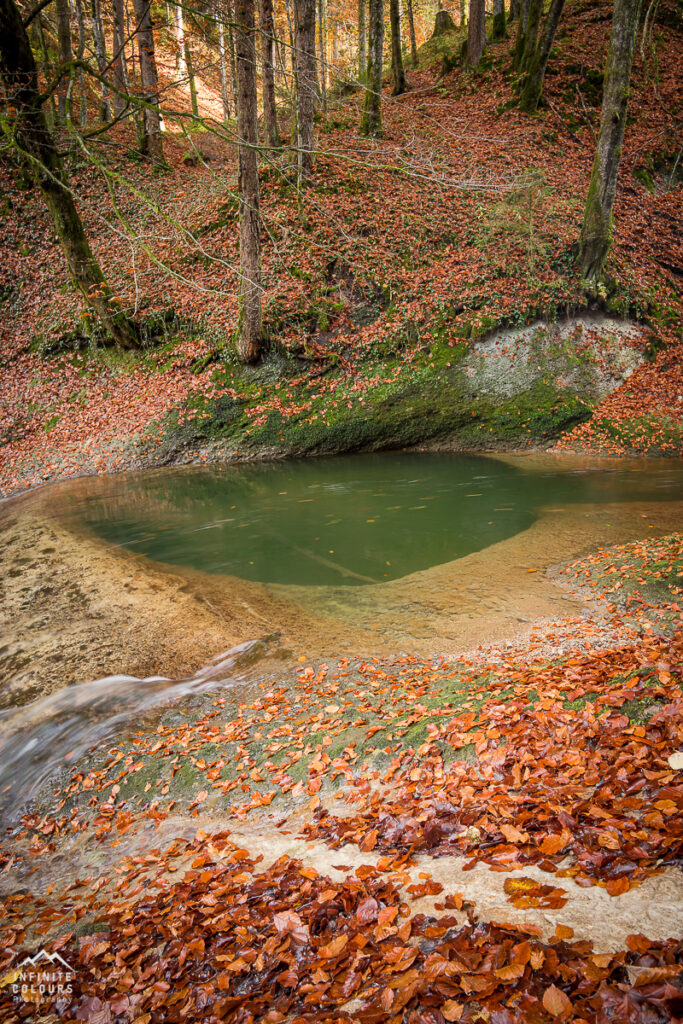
{"x":43,"y":958}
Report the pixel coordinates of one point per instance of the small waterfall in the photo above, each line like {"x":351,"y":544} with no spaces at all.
{"x":48,"y":736}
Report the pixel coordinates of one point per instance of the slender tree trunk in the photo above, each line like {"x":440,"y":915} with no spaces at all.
{"x":101,"y":57}
{"x":476,"y":33}
{"x":532,"y":89}
{"x":362,"y":41}
{"x":397,"y":69}
{"x":322,"y":50}
{"x":268,"y":80}
{"x":531,"y":34}
{"x":411,"y":29}
{"x":191,"y":80}
{"x":371,"y":122}
{"x":119,"y":70}
{"x":37,"y":148}
{"x":499,"y":29}
{"x":596,"y":233}
{"x":304,"y":18}
{"x":232,"y":51}
{"x":223,"y":70}
{"x":41,"y":46}
{"x":152,"y":142}
{"x":179,"y":27}
{"x":83,"y":118}
{"x":65,"y":52}
{"x":249,"y":330}
{"x":514,"y":10}
{"x":521,"y":32}
{"x":463,"y":13}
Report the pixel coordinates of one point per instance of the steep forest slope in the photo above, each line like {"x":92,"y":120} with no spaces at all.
{"x":385,"y":280}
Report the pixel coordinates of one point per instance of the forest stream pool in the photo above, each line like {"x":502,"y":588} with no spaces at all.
{"x":161,"y":585}
{"x":353,"y":520}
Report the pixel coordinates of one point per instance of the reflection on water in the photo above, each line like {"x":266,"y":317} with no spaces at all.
{"x":51,"y":734}
{"x":350,"y":520}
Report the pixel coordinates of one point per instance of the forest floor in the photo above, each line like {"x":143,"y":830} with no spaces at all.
{"x":380,"y":278}
{"x":492,"y":836}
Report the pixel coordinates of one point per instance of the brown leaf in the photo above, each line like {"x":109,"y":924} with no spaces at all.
{"x":556,"y":1002}
{"x":452,"y":1010}
{"x":334,"y":947}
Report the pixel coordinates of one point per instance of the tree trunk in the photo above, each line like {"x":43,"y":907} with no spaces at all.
{"x":322,"y":50}
{"x":223,"y":70}
{"x":41,"y":46}
{"x":304,"y":51}
{"x":231,"y":48}
{"x":267,"y":42}
{"x":397,"y":69}
{"x":190,"y":78}
{"x":514,"y":10}
{"x":531,"y":34}
{"x":362,"y":41}
{"x":179,"y":27}
{"x":249,"y":328}
{"x":335,"y":43}
{"x":152,"y":145}
{"x":65,"y":52}
{"x":499,"y":30}
{"x":37,"y":148}
{"x":521,"y":30}
{"x":476,"y":33}
{"x":463,"y":13}
{"x":411,"y":29}
{"x":118,"y":65}
{"x":83,"y":118}
{"x":101,"y":57}
{"x":596,"y":233}
{"x":532,"y":89}
{"x":371,"y":122}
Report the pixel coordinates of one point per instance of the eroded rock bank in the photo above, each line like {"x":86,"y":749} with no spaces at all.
{"x":511,"y":388}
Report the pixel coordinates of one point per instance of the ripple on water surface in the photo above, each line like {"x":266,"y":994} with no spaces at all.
{"x":350,"y":520}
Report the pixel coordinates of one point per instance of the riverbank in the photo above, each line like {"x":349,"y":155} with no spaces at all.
{"x":536,"y":799}
{"x":74,"y":608}
{"x":552,"y":385}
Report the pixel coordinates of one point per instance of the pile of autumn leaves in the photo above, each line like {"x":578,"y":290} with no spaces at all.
{"x":579,"y":791}
{"x":230,"y":943}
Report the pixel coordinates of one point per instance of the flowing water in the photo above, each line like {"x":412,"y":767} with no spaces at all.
{"x":51,"y":734}
{"x":347,"y":530}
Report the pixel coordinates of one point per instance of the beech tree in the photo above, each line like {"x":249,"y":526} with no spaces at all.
{"x":526,"y":47}
{"x":304,"y":56}
{"x":397,"y":68}
{"x":499,"y":30}
{"x":532,"y":86}
{"x":119,"y":68}
{"x":268,"y":77}
{"x":362,"y":41}
{"x":371,"y":121}
{"x":29,"y":135}
{"x":152,"y":145}
{"x":476,"y":32}
{"x":249,"y":329}
{"x":65,"y":52}
{"x":101,"y":57}
{"x":596,"y":233}
{"x":411,"y":29}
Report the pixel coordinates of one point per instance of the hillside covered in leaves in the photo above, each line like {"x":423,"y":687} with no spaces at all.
{"x":402,"y":255}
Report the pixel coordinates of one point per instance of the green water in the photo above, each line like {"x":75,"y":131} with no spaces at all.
{"x":350,"y":520}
